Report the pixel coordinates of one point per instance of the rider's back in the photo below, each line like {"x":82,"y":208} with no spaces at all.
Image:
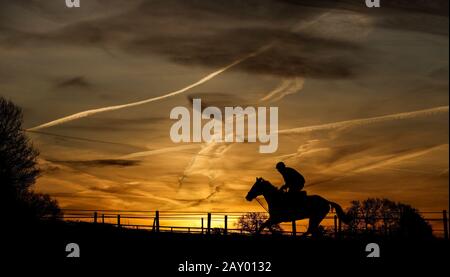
{"x":293,"y":179}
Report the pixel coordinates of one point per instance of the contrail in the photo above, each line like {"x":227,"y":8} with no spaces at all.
{"x":409,"y":170}
{"x":202,"y":162}
{"x":159,"y":151}
{"x":118,"y":107}
{"x":201,"y":81}
{"x":381,"y":164}
{"x":83,"y":139}
{"x":289,"y":86}
{"x":285,"y":84}
{"x":213,"y":151}
{"x":366,"y":121}
{"x":397,"y":159}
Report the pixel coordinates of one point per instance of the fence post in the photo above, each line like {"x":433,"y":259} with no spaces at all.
{"x":95,"y":217}
{"x":202,"y":226}
{"x":118,"y":220}
{"x":208,"y":230}
{"x":157,"y":221}
{"x":339,"y":227}
{"x":294,"y":228}
{"x":103,"y":218}
{"x":335,"y":226}
{"x":225,"y":231}
{"x":445,"y":221}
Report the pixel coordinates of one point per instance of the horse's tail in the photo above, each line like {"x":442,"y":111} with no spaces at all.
{"x":340,"y":212}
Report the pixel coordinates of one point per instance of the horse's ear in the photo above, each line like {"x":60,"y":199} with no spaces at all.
{"x":257,"y":179}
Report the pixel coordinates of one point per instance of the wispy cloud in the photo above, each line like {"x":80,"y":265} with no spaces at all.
{"x":98,"y":163}
{"x":366,"y":121}
{"x":74,"y":82}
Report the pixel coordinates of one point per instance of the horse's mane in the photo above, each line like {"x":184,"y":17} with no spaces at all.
{"x":269,"y":184}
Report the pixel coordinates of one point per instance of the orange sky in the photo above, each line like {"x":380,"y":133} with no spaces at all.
{"x":329,"y":63}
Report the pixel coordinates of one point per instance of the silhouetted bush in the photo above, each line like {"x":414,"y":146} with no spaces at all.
{"x":384,"y":216}
{"x":218,"y":231}
{"x":250,"y":222}
{"x":43,"y":206}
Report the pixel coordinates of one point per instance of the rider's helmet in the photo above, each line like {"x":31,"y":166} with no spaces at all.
{"x":280,"y":166}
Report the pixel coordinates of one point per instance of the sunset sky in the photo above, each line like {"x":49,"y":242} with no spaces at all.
{"x":380,"y":74}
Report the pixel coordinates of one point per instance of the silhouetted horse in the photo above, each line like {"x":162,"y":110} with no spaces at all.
{"x":314,"y":207}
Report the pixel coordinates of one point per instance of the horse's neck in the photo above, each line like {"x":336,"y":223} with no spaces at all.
{"x":270,"y":195}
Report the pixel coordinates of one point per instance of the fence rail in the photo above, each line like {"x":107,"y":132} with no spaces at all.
{"x":220,"y":222}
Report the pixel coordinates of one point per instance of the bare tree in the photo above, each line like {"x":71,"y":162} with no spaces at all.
{"x":19,"y":169}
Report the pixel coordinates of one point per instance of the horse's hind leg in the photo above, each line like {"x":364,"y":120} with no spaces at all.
{"x":320,"y":211}
{"x":314,"y":223}
{"x":266,"y":224}
{"x":313,"y":227}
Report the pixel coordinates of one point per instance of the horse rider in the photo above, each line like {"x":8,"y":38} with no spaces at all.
{"x":293,"y":182}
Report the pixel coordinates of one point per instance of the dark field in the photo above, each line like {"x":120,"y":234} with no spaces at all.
{"x":108,"y":246}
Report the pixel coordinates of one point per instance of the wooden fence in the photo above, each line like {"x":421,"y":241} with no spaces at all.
{"x":219,"y":222}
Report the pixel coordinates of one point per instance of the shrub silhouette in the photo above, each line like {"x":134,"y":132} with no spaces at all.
{"x":383,"y":215}
{"x":19,"y":170}
{"x":250,"y":222}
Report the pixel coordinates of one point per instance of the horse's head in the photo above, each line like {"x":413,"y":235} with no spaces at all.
{"x":256,"y":190}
